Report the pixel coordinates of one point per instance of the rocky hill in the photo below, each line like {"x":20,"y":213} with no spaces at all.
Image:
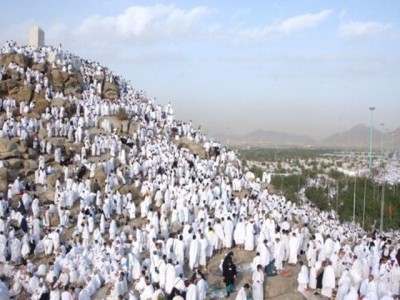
{"x":15,"y":84}
{"x":33,"y":83}
{"x":53,"y":101}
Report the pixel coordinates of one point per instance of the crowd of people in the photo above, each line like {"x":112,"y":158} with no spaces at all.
{"x":163,"y":211}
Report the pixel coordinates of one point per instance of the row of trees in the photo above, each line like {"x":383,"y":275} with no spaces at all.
{"x":273,"y":155}
{"x":343,"y":193}
{"x":335,"y":191}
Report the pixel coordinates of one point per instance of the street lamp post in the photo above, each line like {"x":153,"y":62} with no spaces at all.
{"x":371,"y":108}
{"x":382,"y":124}
{"x":354,"y":201}
{"x":337,"y":197}
{"x":365,"y":194}
{"x":382,"y":206}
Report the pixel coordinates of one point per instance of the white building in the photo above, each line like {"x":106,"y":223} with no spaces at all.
{"x":36,"y":37}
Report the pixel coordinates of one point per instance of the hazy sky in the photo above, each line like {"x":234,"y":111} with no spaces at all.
{"x":308,"y":67}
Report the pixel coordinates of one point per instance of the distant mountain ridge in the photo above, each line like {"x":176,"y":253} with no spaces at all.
{"x":266,"y":138}
{"x":356,"y":137}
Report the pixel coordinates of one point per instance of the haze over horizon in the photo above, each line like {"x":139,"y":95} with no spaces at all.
{"x":303,"y":67}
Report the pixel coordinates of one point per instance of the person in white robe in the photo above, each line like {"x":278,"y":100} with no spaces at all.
{"x":162,"y":265}
{"x":265,"y":254}
{"x":395,"y":278}
{"x":228,"y":233}
{"x":383,"y":278}
{"x":202,"y":287}
{"x":279,"y":253}
{"x":120,"y":285}
{"x":16,"y":248}
{"x":302,"y":278}
{"x":147,"y":292}
{"x":194,"y":254}
{"x":369,"y":288}
{"x":84,"y":294}
{"x":249,"y":239}
{"x":219,"y":231}
{"x":312,"y":283}
{"x":203,"y":252}
{"x":293,"y":249}
{"x":179,"y":249}
{"x":328,"y":280}
{"x":179,"y":284}
{"x":212,"y":239}
{"x":258,"y":283}
{"x":192,"y":291}
{"x":244,"y":292}
{"x":55,"y":293}
{"x":344,"y":285}
{"x":66,"y":294}
{"x":239,"y":234}
{"x":113,"y":229}
{"x":170,"y":276}
{"x":311,"y":253}
{"x":352,"y":294}
{"x":158,"y":292}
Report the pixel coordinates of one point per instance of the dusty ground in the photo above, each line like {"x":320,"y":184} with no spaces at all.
{"x":277,"y":288}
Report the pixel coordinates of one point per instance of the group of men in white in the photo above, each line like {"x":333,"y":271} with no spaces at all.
{"x":104,"y":246}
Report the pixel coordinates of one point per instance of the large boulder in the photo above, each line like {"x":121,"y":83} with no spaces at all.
{"x":58,"y":102}
{"x":57,"y":142}
{"x":15,"y":163}
{"x":110,"y":91}
{"x":3,"y":181}
{"x":12,"y":86}
{"x":73,"y":91}
{"x":42,"y":68}
{"x":17,"y":58}
{"x":13,"y":74}
{"x":58,"y":77}
{"x":74,"y":80}
{"x":33,"y":154}
{"x":58,"y":88}
{"x":3,"y":88}
{"x":7,"y":145}
{"x":30,"y":164}
{"x":98,"y":78}
{"x":41,"y":105}
{"x":10,"y":154}
{"x":24,"y":94}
